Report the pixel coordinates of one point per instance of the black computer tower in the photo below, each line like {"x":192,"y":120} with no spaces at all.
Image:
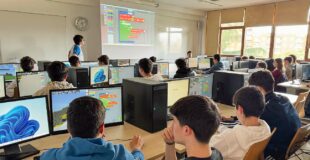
{"x":145,"y":103}
{"x":79,"y":77}
{"x":226,"y":83}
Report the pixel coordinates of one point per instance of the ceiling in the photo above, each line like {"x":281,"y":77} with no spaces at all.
{"x":215,"y":4}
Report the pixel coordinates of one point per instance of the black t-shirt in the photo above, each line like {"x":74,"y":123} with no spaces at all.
{"x":216,"y":155}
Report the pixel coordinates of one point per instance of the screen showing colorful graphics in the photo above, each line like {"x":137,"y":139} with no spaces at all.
{"x":204,"y":63}
{"x":110,"y":97}
{"x":163,"y":69}
{"x":9,"y":71}
{"x":121,"y":25}
{"x":2,"y":87}
{"x":89,"y":64}
{"x":99,"y":74}
{"x":177,"y":89}
{"x":192,"y":62}
{"x":201,"y":85}
{"x":30,"y":82}
{"x":22,"y":120}
{"x":120,"y":73}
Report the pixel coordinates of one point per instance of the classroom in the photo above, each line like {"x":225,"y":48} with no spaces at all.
{"x":155,"y":79}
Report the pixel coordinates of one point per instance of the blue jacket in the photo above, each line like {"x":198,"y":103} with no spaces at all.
{"x":91,"y":149}
{"x":215,"y":67}
{"x":279,"y":113}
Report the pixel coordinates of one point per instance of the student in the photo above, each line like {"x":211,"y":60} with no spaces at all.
{"x":270,"y":65}
{"x":85,"y":123}
{"x":307,"y":107}
{"x":58,"y":73}
{"x":288,"y":68}
{"x":279,"y":113}
{"x":217,"y":64}
{"x":103,"y":60}
{"x":145,"y":70}
{"x":244,"y":58}
{"x":195,"y":120}
{"x":294,"y":61}
{"x":153,"y":59}
{"x":251,"y":57}
{"x":27,"y":65}
{"x":74,"y":61}
{"x":189,"y":54}
{"x":183,"y":71}
{"x":261,"y":65}
{"x":234,"y":143}
{"x":76,"y":50}
{"x":279,"y":75}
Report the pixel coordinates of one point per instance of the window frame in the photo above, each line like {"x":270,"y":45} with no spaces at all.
{"x":242,"y":40}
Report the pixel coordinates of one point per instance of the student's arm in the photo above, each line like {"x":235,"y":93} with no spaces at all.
{"x":136,"y":145}
{"x":170,"y":153}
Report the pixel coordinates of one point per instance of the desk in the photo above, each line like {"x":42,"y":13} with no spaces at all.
{"x":154,"y":146}
{"x":291,"y":97}
{"x":295,"y":86}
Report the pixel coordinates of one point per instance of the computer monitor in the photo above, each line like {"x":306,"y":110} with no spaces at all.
{"x":253,"y":63}
{"x":244,"y":64}
{"x":172,"y":70}
{"x":204,"y":63}
{"x":99,"y":75}
{"x":177,"y":89}
{"x":123,"y":62}
{"x":134,"y":61}
{"x":226,"y":65}
{"x":2,"y":87}
{"x":192,"y":62}
{"x":235,"y":65}
{"x":110,"y":97}
{"x":201,"y":85}
{"x":8,"y":70}
{"x":42,"y":65}
{"x":163,"y":69}
{"x":154,"y":69}
{"x":22,"y":120}
{"x":89,"y":64}
{"x":117,"y":74}
{"x":306,"y":72}
{"x":30,"y":82}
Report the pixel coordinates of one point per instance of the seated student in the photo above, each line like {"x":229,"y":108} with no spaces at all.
{"x":294,"y":61}
{"x":58,"y":73}
{"x":85,"y":122}
{"x":153,"y":59}
{"x":195,"y":120}
{"x":261,"y":65}
{"x":145,"y":70}
{"x":234,"y":143}
{"x":103,"y":60}
{"x":252,"y":57}
{"x":27,"y":65}
{"x":244,"y":58}
{"x":288,"y":68}
{"x":307,"y":107}
{"x":279,"y":113}
{"x":183,"y":71}
{"x":74,"y":61}
{"x":279,"y":75}
{"x":217,"y":64}
{"x":270,"y":65}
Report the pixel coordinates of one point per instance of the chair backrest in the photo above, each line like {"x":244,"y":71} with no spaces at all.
{"x":298,"y":140}
{"x":256,"y":151}
{"x":300,"y":104}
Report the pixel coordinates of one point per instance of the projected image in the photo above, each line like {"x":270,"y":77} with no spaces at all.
{"x":120,"y":73}
{"x":30,"y":82}
{"x":21,"y":120}
{"x":201,"y":86}
{"x":9,"y":71}
{"x":99,"y":74}
{"x":163,"y":69}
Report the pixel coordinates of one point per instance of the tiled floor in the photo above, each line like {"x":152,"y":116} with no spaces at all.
{"x":303,"y":156}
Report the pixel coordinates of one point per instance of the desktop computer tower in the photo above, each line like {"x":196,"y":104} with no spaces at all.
{"x":79,"y":77}
{"x":226,"y":83}
{"x":145,"y":103}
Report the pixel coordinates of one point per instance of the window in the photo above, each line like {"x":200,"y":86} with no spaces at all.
{"x":257,"y":41}
{"x":231,"y":41}
{"x":172,"y":40}
{"x":290,"y":40}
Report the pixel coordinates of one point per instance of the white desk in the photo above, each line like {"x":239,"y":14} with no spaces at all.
{"x":291,"y":97}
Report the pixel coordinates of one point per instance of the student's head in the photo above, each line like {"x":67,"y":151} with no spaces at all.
{"x":263,"y":80}
{"x":270,"y":65}
{"x":181,"y":63}
{"x":294,"y":58}
{"x":153,"y":59}
{"x":251,"y":57}
{"x":261,"y":64}
{"x":278,"y":64}
{"x":85,"y":118}
{"x":27,"y":64}
{"x":244,"y":58}
{"x":195,"y":119}
{"x":216,"y":58}
{"x":145,"y":67}
{"x":74,"y":61}
{"x":78,"y":40}
{"x":249,"y":102}
{"x":189,"y":54}
{"x":288,"y":60}
{"x":57,"y":71}
{"x":103,"y":60}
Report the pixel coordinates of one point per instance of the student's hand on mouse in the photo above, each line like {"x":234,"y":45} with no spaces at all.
{"x":168,"y":136}
{"x":136,"y":143}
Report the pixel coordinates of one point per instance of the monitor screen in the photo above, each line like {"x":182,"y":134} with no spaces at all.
{"x":163,"y":69}
{"x":134,"y":61}
{"x":9,"y":71}
{"x":192,"y":62}
{"x":226,"y":65}
{"x":204,"y":63}
{"x":201,"y":85}
{"x":2,"y":87}
{"x":123,"y":62}
{"x":120,"y":73}
{"x":244,"y":64}
{"x":110,"y":97}
{"x":30,"y":82}
{"x":99,"y":74}
{"x":22,"y":120}
{"x":89,"y":64}
{"x":177,"y":89}
{"x":306,"y":72}
{"x":172,"y":69}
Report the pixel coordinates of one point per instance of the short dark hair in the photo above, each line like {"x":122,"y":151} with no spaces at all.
{"x":244,"y":57}
{"x":200,"y":114}
{"x":217,"y":57}
{"x":57,"y":71}
{"x":251,"y":100}
{"x":84,"y":117}
{"x":270,"y":65}
{"x":78,"y":39}
{"x":146,"y":65}
{"x":251,"y":57}
{"x":153,"y":59}
{"x":104,"y":59}
{"x":27,"y":64}
{"x":294,"y":58}
{"x":74,"y":60}
{"x":289,"y":59}
{"x":262,"y":79}
{"x":262,"y":64}
{"x":181,"y":63}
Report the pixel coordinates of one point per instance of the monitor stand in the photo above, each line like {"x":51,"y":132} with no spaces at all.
{"x":15,"y":152}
